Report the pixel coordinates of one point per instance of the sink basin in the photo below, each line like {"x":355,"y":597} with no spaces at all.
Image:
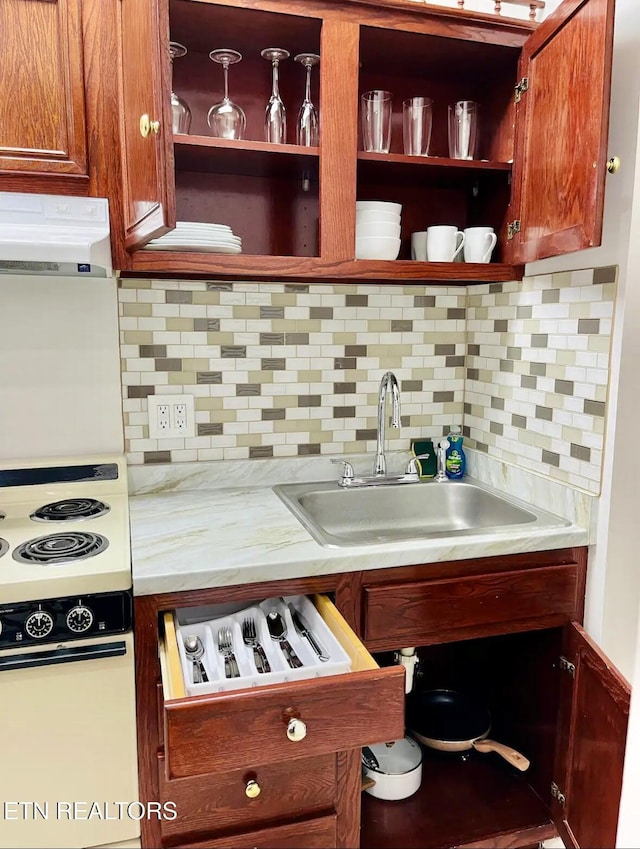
{"x":338,"y":517}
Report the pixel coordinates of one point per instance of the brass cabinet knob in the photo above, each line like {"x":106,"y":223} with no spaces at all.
{"x":296,"y":730}
{"x":613,"y":165}
{"x":252,"y":790}
{"x":148,"y":126}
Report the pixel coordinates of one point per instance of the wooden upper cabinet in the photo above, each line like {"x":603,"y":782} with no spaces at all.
{"x":147,"y":152}
{"x":42,"y":110}
{"x":592,"y":732}
{"x":562,"y":122}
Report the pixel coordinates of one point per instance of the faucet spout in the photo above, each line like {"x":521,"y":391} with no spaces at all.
{"x":388,"y":382}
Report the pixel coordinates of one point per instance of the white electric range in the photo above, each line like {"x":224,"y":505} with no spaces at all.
{"x":67,"y":692}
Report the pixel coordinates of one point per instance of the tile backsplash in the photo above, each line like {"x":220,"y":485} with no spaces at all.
{"x":281,"y":370}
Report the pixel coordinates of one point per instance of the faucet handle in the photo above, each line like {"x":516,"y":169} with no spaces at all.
{"x":347,"y":468}
{"x":412,"y":467}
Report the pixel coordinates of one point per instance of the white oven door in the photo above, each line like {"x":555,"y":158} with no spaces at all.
{"x":67,"y":740}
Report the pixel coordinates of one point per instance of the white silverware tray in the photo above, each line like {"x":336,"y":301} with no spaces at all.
{"x":213,"y":661}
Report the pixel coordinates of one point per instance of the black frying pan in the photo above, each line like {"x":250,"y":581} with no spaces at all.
{"x":452,"y":721}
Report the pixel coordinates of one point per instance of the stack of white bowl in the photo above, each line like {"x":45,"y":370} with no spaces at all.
{"x":377,"y":229}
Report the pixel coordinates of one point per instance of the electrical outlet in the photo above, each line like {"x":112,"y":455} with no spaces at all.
{"x":171,"y":416}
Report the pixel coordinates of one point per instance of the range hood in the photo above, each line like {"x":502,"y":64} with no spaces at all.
{"x":54,"y":235}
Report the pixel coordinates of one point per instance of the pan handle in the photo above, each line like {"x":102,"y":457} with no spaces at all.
{"x":510,"y":755}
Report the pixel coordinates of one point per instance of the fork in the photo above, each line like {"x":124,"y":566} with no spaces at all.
{"x":225,"y":647}
{"x":250,"y":638}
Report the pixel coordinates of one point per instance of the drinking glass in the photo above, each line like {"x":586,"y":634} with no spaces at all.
{"x":180,"y":112}
{"x":275,"y":116}
{"x":463,"y":129}
{"x":376,"y":121}
{"x":416,"y":125}
{"x":307,"y":130}
{"x":226,"y":119}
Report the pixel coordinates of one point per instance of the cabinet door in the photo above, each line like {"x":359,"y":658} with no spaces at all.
{"x":42,"y":120}
{"x":147,"y":152}
{"x":562,"y":122}
{"x":594,"y":711}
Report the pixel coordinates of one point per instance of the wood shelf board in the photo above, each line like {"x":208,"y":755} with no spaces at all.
{"x":437,"y":162}
{"x":319,"y":269}
{"x":459,"y":802}
{"x":249,"y":158}
{"x":430,"y":171}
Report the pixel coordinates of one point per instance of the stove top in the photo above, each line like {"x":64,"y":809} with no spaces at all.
{"x":64,"y":528}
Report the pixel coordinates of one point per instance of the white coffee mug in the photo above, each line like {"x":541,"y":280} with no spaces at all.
{"x":444,"y":243}
{"x":479,"y":243}
{"x":419,"y":246}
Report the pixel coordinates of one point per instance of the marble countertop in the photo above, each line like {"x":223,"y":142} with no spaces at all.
{"x":200,"y":525}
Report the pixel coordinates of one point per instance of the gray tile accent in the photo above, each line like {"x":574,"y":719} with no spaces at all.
{"x":564,"y":387}
{"x":296,"y":288}
{"x":344,"y":388}
{"x":169,"y":364}
{"x":551,"y":458}
{"x":473,"y":374}
{"x":424,"y":300}
{"x":594,"y":408}
{"x":550,"y":296}
{"x":589,"y":325}
{"x":500,"y":325}
{"x":481,"y":446}
{"x":248,"y":389}
{"x":273,"y":364}
{"x":219,"y":287}
{"x":309,"y":400}
{"x":411,"y":385}
{"x":355,"y":350}
{"x":344,"y":412}
{"x":233,"y":351}
{"x":444,"y":350}
{"x":296,"y":338}
{"x":605,"y":274}
{"x":257,"y":452}
{"x":208,"y":377}
{"x":514,"y":353}
{"x":519,"y":421}
{"x":276,"y":414}
{"x":539,"y":340}
{"x":364,"y":435}
{"x":528,"y":381}
{"x":311,"y":448}
{"x":544,"y":413}
{"x":524,"y":312}
{"x":473,"y":350}
{"x":140,"y":391}
{"x":210,"y":429}
{"x":442,"y":397}
{"x":539,"y":369}
{"x":453,"y":362}
{"x":497,"y":428}
{"x":320,"y":312}
{"x":344,"y":362}
{"x":456,"y":312}
{"x":178,"y":296}
{"x":497,"y":403}
{"x":271,"y":312}
{"x":206,"y":324}
{"x":400,"y":325}
{"x":272,"y":338}
{"x":157,"y":457}
{"x":506,"y":365}
{"x":466,"y":408}
{"x":405,"y":421}
{"x":580,"y":452}
{"x":356,"y":301}
{"x":153,"y":351}
{"x":495,"y":288}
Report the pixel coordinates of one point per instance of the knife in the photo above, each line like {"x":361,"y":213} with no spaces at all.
{"x":302,"y":627}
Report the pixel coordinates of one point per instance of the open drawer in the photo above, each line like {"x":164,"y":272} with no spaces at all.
{"x":277,"y":722}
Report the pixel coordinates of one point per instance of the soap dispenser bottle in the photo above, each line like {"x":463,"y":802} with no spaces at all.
{"x":455,"y":462}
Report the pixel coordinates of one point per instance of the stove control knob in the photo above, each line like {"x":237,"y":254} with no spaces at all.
{"x":39,"y":624}
{"x":79,"y":619}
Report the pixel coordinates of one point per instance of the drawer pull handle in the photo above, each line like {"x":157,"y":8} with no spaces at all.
{"x":296,"y":730}
{"x":252,"y":790}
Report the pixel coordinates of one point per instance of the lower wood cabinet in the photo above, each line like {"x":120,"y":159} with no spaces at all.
{"x":317,"y":833}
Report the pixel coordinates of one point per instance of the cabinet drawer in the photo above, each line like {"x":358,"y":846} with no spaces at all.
{"x":318,"y":833}
{"x":223,"y":801}
{"x":277,"y":722}
{"x":427,"y":612}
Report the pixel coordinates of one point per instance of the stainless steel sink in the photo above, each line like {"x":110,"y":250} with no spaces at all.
{"x":338,"y":517}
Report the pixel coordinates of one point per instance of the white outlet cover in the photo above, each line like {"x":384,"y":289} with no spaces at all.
{"x":156,"y":402}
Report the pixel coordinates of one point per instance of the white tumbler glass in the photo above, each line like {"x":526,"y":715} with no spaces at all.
{"x":463,"y":129}
{"x":416,"y":125}
{"x":376,"y":121}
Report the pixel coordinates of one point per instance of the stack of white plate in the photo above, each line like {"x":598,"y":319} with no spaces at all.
{"x":377,"y":229}
{"x":195,"y":236}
